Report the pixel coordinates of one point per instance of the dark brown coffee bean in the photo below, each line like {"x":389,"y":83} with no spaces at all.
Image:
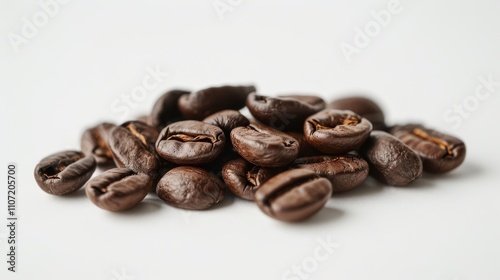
{"x":227,"y":120}
{"x":336,"y":132}
{"x":439,"y":152}
{"x":345,"y":172}
{"x":132,"y":145}
{"x":216,"y":166}
{"x":190,"y":142}
{"x":293,"y":195}
{"x":284,"y":112}
{"x":200,"y":104}
{"x":118,"y":189}
{"x":264,"y":146}
{"x":95,"y":143}
{"x":244,"y":178}
{"x":365,"y":107}
{"x":190,"y":188}
{"x":64,"y":172}
{"x":166,"y":110}
{"x":390,"y":160}
{"x":306,"y":149}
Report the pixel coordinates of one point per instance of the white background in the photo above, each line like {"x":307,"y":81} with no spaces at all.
{"x":428,"y":58}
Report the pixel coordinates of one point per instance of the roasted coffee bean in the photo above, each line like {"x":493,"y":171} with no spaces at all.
{"x":264,"y":146}
{"x":293,"y":195}
{"x":364,"y":107}
{"x":390,"y":160}
{"x":190,"y":188}
{"x":439,"y":152}
{"x":95,"y":143}
{"x":190,"y":142}
{"x":345,"y":172}
{"x":64,"y":172}
{"x":200,"y":104}
{"x":216,"y":166}
{"x":336,"y":132}
{"x":306,"y":149}
{"x":166,"y":110}
{"x":227,"y":120}
{"x":132,"y":145}
{"x":284,"y":112}
{"x":244,"y":178}
{"x":118,"y":189}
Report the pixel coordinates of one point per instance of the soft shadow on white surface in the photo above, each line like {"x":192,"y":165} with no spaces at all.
{"x":326,"y":215}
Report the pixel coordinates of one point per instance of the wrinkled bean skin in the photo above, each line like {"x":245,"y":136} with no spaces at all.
{"x":345,"y":172}
{"x":284,"y":112}
{"x":244,"y":178}
{"x":190,"y":187}
{"x":132,"y":145}
{"x":95,"y":143}
{"x":200,"y":104}
{"x":336,"y":131}
{"x":293,"y":195}
{"x":118,"y":189}
{"x":390,"y":160}
{"x":264,"y":146}
{"x":440,"y":153}
{"x":64,"y":172}
{"x":227,"y":120}
{"x":190,"y":143}
{"x":363,"y":106}
{"x":166,"y":110}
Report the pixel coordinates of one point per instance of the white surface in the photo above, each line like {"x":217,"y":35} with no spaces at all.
{"x":427,"y":59}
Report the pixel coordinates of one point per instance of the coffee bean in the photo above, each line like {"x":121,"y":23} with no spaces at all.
{"x":439,"y":152}
{"x":118,"y":189}
{"x":190,"y":142}
{"x":390,"y":160}
{"x":200,"y":104}
{"x":227,"y":120}
{"x":345,"y":172}
{"x":166,"y":110}
{"x":132,"y":145}
{"x":95,"y":143}
{"x":335,"y":131}
{"x":64,"y":172}
{"x":264,"y":146}
{"x":284,"y":112}
{"x":244,"y":178}
{"x":306,"y":149}
{"x":293,"y":195}
{"x":190,"y":188}
{"x":365,"y":107}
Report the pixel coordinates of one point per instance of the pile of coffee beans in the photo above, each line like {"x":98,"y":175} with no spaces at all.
{"x":290,"y":158}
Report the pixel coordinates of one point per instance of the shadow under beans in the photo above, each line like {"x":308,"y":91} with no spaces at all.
{"x":466,"y":170}
{"x":326,"y":215}
{"x":79,"y":194}
{"x":369,"y":187}
{"x":145,"y":207}
{"x":229,"y":198}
